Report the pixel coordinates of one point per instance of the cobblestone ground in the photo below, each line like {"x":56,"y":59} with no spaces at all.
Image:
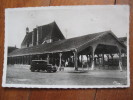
{"x":20,"y":74}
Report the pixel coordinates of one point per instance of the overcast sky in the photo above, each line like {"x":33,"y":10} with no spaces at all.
{"x":72,"y":21}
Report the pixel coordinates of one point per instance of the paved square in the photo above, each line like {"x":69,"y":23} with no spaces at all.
{"x":20,"y":74}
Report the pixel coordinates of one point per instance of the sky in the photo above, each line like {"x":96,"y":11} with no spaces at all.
{"x":73,"y":21}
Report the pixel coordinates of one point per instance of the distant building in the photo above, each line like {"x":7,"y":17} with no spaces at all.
{"x":123,"y":40}
{"x":10,"y":49}
{"x":42,"y":34}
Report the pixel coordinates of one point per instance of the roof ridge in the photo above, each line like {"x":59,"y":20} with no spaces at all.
{"x":117,"y":39}
{"x":48,"y":24}
{"x":88,"y":35}
{"x":102,"y":33}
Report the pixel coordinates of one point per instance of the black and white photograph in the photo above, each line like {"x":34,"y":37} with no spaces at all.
{"x":67,"y":47}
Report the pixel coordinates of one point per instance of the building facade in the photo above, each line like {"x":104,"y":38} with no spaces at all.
{"x":42,"y":34}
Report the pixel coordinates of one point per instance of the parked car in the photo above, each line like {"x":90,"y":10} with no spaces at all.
{"x":38,"y":65}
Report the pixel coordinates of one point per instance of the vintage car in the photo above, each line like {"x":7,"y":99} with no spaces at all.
{"x":37,"y":65}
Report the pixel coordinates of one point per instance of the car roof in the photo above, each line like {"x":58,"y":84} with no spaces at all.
{"x":40,"y":60}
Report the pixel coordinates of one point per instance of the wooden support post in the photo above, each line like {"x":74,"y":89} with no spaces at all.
{"x":75,"y":61}
{"x":38,"y":57}
{"x":10,"y":60}
{"x":92,"y":65}
{"x":30,"y":59}
{"x":25,"y":59}
{"x":120,"y":61}
{"x":18,"y":59}
{"x":60,"y":62}
{"x":37,"y":36}
{"x":111,"y":56}
{"x":102,"y":59}
{"x":47,"y":58}
{"x":15,"y":60}
{"x":82,"y":62}
{"x":21,"y":59}
{"x":98,"y":56}
{"x":78,"y":63}
{"x":108,"y":59}
{"x":87,"y":61}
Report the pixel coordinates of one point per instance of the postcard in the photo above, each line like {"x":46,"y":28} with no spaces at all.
{"x":67,"y":47}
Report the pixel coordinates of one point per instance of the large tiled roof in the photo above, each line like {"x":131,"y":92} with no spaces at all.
{"x":60,"y":46}
{"x":46,"y":31}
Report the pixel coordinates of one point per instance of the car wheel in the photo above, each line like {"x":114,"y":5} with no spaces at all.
{"x":38,"y":70}
{"x":54,"y":70}
{"x":32,"y":70}
{"x":49,"y":71}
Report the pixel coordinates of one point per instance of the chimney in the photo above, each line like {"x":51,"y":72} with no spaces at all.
{"x":33,"y":38}
{"x":37,"y":36}
{"x":27,"y":30}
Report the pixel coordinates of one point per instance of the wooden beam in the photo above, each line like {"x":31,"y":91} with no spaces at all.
{"x":111,"y":56}
{"x":76,"y":61}
{"x":47,"y":58}
{"x":60,"y":63}
{"x":120,"y":61}
{"x":102,"y":59}
{"x":81,"y":60}
{"x":87,"y":61}
{"x":93,"y":51}
{"x":92,"y":65}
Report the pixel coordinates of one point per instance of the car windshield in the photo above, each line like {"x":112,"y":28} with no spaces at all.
{"x":39,"y":61}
